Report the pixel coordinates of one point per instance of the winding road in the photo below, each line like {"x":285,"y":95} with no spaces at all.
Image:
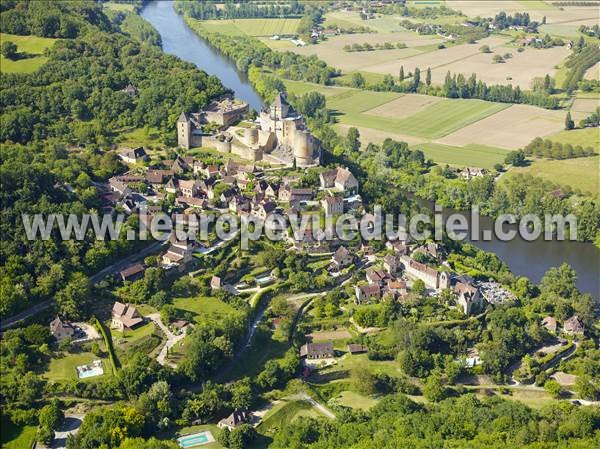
{"x":113,"y":268}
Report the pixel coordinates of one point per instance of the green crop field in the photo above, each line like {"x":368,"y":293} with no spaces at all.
{"x":30,"y":49}
{"x":469,"y":155}
{"x":579,"y":173}
{"x":119,"y":6}
{"x":434,"y":122}
{"x":251,"y":27}
{"x":447,"y":116}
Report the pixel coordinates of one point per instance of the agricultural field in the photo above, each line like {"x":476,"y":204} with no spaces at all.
{"x":593,"y":73}
{"x":579,"y":173}
{"x":588,"y":137}
{"x":537,"y":9}
{"x":471,"y":154}
{"x":404,"y":106}
{"x":30,"y":50}
{"x":433,"y":122}
{"x":583,"y":108}
{"x":252,"y":27}
{"x":511,"y":129}
{"x":348,"y":19}
{"x":332,"y":50}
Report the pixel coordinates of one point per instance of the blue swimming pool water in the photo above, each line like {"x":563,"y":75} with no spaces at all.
{"x":193,"y":440}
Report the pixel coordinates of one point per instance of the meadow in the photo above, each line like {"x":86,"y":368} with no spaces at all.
{"x":203,"y":308}
{"x":30,"y":50}
{"x":579,"y":173}
{"x":252,"y":27}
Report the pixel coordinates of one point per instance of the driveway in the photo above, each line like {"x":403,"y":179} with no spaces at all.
{"x":172,"y":339}
{"x":69,"y":427}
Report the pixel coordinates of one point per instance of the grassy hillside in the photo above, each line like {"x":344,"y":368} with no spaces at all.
{"x":30,"y":50}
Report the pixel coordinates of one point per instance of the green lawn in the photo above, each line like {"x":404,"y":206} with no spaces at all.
{"x":469,"y":155}
{"x":579,"y":173}
{"x":141,"y":137}
{"x":125,"y":341}
{"x":64,"y":368}
{"x":203,"y":308}
{"x":284,"y":413}
{"x":15,"y":437}
{"x":434,"y":122}
{"x":30,"y":49}
{"x":252,"y":27}
{"x":355,"y":400}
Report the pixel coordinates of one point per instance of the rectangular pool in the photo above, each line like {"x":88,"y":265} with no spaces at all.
{"x":196,"y":439}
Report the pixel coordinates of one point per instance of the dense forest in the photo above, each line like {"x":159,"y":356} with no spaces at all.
{"x":77,"y":95}
{"x":464,"y":422}
{"x":75,"y":100}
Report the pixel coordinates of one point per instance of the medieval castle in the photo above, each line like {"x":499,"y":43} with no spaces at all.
{"x":279,"y":135}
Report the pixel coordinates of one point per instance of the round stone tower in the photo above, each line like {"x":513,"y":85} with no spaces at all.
{"x":303,"y":148}
{"x":251,"y":136}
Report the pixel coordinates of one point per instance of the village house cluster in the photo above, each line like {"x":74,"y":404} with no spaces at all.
{"x":279,"y":135}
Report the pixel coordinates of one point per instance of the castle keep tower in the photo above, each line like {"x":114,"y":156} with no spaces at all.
{"x":184,"y":131}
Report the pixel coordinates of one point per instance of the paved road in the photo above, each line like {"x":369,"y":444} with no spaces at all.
{"x":172,"y":339}
{"x":114,"y":268}
{"x":69,"y":427}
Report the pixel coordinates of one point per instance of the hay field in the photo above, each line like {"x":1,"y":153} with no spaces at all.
{"x":436,"y":58}
{"x":583,"y":107}
{"x":404,"y":106}
{"x":332,"y":50}
{"x":579,"y":173}
{"x":347,"y":19}
{"x":510,"y":129}
{"x":593,"y":73}
{"x":518,"y":70}
{"x":251,"y":27}
{"x":536,"y":9}
{"x":30,"y":49}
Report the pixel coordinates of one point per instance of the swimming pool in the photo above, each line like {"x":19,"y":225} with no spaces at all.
{"x":196,"y":439}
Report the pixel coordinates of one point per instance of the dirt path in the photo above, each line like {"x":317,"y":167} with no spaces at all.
{"x":315,"y":404}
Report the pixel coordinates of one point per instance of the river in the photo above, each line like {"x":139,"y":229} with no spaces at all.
{"x":179,"y":40}
{"x":530,"y":259}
